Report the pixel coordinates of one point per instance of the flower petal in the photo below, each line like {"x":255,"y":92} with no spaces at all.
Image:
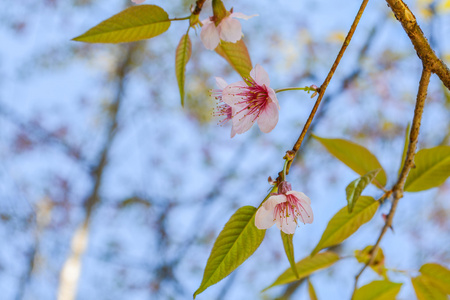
{"x":287,"y":224}
{"x":242,"y":121}
{"x":268,"y":118}
{"x":221,"y":83}
{"x":305,"y":213}
{"x":230,"y":94}
{"x":230,"y":30}
{"x":300,"y":196}
{"x":274,"y":200}
{"x":209,"y":35}
{"x":264,"y":218}
{"x":233,"y":132}
{"x":260,"y":75}
{"x":273,"y":96}
{"x":138,"y":1}
{"x":241,"y":16}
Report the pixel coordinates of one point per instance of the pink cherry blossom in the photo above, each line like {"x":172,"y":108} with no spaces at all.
{"x":222,"y":108}
{"x":252,"y":100}
{"x":138,"y":1}
{"x":228,"y":30}
{"x":283,"y":209}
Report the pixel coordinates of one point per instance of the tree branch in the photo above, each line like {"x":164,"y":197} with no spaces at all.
{"x":420,"y":42}
{"x":397,"y":190}
{"x":324,"y":85}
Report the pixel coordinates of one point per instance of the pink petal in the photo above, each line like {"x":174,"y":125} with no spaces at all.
{"x":242,"y":122}
{"x":274,"y":200}
{"x":230,"y":93}
{"x":305,"y":214}
{"x":273,"y":96}
{"x":241,"y":16}
{"x":221,"y":83}
{"x":209,"y":35}
{"x":287,"y":225}
{"x":260,"y":75}
{"x":233,"y":132}
{"x":300,"y":196}
{"x":264,"y":216}
{"x":138,"y":1}
{"x":268,"y":118}
{"x":230,"y":30}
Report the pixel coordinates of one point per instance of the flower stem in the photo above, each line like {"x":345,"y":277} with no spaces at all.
{"x":306,"y":88}
{"x":284,"y":169}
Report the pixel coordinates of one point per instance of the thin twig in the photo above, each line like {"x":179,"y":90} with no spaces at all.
{"x":420,"y":42}
{"x":324,"y":85}
{"x":198,"y":7}
{"x":397,"y":190}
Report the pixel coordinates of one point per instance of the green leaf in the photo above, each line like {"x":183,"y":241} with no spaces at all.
{"x":289,"y":249}
{"x":344,"y":224}
{"x":236,"y":54}
{"x":363,"y":256}
{"x":438,"y":275}
{"x":356,"y":157}
{"x":357,"y":186}
{"x":306,"y":267}
{"x":311,"y":291}
{"x":133,"y":24}
{"x":237,"y":242}
{"x":182,"y":56}
{"x":432,"y":169}
{"x":425,"y":290}
{"x":405,"y":147}
{"x":378,"y":290}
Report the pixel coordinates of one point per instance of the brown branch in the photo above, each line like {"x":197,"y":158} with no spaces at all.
{"x":397,"y":190}
{"x":324,"y":85}
{"x":198,"y":7}
{"x":420,"y":42}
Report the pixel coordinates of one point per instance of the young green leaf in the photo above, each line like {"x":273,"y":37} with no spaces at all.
{"x":182,"y":56}
{"x":378,"y":290}
{"x":344,"y":224}
{"x":356,"y":157}
{"x":289,"y":249}
{"x":432,"y":169}
{"x":237,"y":242}
{"x":236,"y":54}
{"x":357,"y":186}
{"x":425,"y":290}
{"x":306,"y":267}
{"x":311,"y":291}
{"x":133,"y":24}
{"x":405,"y":147}
{"x":363,"y":256}
{"x":438,"y":275}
